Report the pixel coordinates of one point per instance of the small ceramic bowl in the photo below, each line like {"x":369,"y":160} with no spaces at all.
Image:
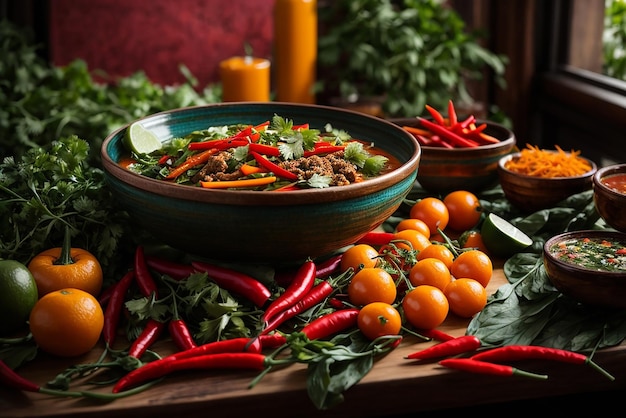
{"x":254,"y":226}
{"x":610,"y":203}
{"x":586,"y":284}
{"x":532,"y":193}
{"x":443,"y":170}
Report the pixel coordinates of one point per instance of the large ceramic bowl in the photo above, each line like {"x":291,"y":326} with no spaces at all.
{"x":443,"y":170}
{"x":609,"y":201}
{"x":592,"y":286}
{"x":253,"y":226}
{"x":532,"y":193}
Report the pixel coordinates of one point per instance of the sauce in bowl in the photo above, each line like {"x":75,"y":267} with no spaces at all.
{"x":615,"y":182}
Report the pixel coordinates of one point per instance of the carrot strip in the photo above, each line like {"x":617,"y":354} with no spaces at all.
{"x":416,"y":131}
{"x":258,"y":181}
{"x":191,"y":162}
{"x":248,"y":169}
{"x":544,"y":163}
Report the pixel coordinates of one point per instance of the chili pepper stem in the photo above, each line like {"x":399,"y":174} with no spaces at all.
{"x":599,"y":369}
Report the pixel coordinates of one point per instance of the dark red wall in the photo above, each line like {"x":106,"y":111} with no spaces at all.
{"x":124,"y":36}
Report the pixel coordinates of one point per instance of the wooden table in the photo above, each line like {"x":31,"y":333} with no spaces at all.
{"x":394,"y":386}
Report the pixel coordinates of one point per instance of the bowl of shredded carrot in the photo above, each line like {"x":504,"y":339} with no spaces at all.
{"x":534,"y":178}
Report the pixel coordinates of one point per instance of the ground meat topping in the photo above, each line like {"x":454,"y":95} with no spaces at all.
{"x":333,"y":165}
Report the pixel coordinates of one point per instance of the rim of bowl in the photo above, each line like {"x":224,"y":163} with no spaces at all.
{"x":605,"y":172}
{"x":510,"y":141}
{"x":236,"y":197}
{"x":502,"y":161}
{"x":588,"y":233}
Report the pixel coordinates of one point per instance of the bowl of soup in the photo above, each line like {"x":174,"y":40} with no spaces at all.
{"x":588,"y":266}
{"x":609,"y":194}
{"x":262,"y":223}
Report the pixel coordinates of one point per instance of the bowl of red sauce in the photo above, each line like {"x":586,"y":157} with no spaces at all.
{"x":609,"y":193}
{"x":588,"y":266}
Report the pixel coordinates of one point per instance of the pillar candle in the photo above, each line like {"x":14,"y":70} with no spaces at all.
{"x":245,"y":79}
{"x":295,"y":50}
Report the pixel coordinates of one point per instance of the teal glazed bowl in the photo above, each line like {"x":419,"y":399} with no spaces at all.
{"x":443,"y":170}
{"x":254,"y":226}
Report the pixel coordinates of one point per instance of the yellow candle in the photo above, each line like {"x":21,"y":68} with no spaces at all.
{"x":295,"y":50}
{"x":245,"y":79}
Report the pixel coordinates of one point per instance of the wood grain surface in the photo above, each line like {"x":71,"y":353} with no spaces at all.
{"x":394,"y":386}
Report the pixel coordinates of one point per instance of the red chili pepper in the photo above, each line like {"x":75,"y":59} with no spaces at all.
{"x":301,"y":284}
{"x":336,"y":303}
{"x":452,"y":347}
{"x":436,"y":334}
{"x":264,"y":149}
{"x":105,"y":295}
{"x":376,"y":238}
{"x":11,"y":379}
{"x":145,"y":281}
{"x":148,"y":336}
{"x":483,"y":367}
{"x":274,"y":168}
{"x":444,"y":132}
{"x":113,"y":310}
{"x":163,"y":159}
{"x":250,"y":361}
{"x":331,"y":323}
{"x":236,"y":282}
{"x":180,"y":334}
{"x":314,"y":297}
{"x":176,"y":271}
{"x":534,"y":352}
{"x":329,"y":266}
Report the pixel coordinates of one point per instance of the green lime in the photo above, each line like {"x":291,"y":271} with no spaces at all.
{"x":18,"y":295}
{"x":502,"y":238}
{"x":140,"y":140}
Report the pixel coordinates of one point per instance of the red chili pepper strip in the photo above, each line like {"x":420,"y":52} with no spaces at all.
{"x":438,"y":117}
{"x":176,"y":271}
{"x":300,"y":286}
{"x":265,"y":149}
{"x":11,"y":379}
{"x":376,"y":238}
{"x":148,"y":336}
{"x":236,"y":282}
{"x":145,"y":281}
{"x":483,"y":367}
{"x":324,"y":150}
{"x":331,"y":323}
{"x":534,"y":352}
{"x":314,"y":297}
{"x":444,"y":132}
{"x":274,"y":168}
{"x":452,"y":120}
{"x":250,"y":361}
{"x":452,"y":347}
{"x":113,"y":310}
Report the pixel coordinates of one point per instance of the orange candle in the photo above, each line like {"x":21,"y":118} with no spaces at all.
{"x":295,"y":50}
{"x":245,"y":79}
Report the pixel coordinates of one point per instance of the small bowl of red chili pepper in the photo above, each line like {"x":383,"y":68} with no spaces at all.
{"x":252,"y":182}
{"x":609,"y":194}
{"x":458,"y":152}
{"x":588,"y":266}
{"x":534,"y":179}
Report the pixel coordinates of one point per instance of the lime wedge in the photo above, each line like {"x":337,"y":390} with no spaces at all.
{"x":502,"y":238}
{"x":140,"y":140}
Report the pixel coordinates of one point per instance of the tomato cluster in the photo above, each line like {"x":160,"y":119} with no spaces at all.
{"x":417,"y":279}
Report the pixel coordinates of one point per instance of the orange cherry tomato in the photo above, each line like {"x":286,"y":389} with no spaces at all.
{"x":372,"y":284}
{"x":473,"y":264}
{"x":377,"y":319}
{"x":464,"y":210}
{"x":432,"y":211}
